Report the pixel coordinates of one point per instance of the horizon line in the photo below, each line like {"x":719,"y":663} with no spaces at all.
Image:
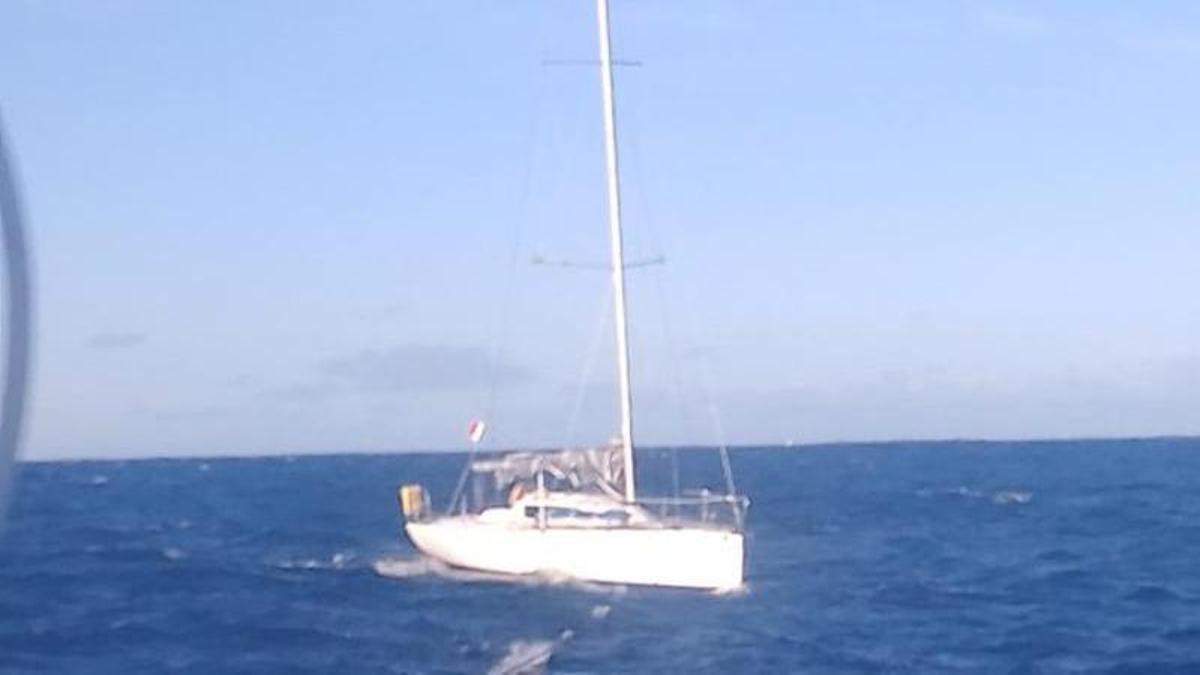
{"x":784,"y":445}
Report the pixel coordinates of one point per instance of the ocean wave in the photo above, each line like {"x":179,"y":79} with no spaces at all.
{"x":528,"y":657}
{"x":337,"y":561}
{"x":407,"y":568}
{"x":421,"y":566}
{"x":960,"y":491}
{"x":732,"y":592}
{"x":1152,"y":593}
{"x":560,"y":579}
{"x":524,"y":657}
{"x":1012,"y":497}
{"x":1058,"y":555}
{"x":400,"y":568}
{"x":997,"y":497}
{"x":1186,"y":634}
{"x":601,"y":612}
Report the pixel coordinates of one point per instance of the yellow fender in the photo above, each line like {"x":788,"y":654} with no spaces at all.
{"x":412,"y":501}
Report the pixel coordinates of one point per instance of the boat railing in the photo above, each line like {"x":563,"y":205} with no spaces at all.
{"x":701,"y":506}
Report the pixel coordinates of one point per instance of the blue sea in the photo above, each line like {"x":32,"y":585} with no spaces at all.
{"x":902,"y":557}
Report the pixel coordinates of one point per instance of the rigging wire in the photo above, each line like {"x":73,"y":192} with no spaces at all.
{"x":588,"y":366}
{"x":668,"y":333}
{"x":706,"y":381}
{"x":656,"y":244}
{"x":719,"y":430}
{"x":503,"y":319}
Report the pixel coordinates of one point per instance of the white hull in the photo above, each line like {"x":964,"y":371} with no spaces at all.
{"x":680,"y":557}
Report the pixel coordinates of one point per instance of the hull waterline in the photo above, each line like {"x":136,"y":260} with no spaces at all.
{"x":699,"y":558}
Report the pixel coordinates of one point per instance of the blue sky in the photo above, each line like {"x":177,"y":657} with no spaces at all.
{"x":268,"y":227}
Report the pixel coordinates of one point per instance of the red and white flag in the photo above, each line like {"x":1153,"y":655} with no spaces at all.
{"x":475,"y":431}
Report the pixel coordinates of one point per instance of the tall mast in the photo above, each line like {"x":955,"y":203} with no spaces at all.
{"x":618,"y":257}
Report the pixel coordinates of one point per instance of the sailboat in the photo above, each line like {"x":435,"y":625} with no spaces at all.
{"x":577,"y":512}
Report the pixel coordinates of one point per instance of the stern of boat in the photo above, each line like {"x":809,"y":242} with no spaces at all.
{"x":414,"y":503}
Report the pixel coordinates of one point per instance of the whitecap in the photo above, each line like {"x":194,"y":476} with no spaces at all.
{"x":565,"y":580}
{"x":99,"y":479}
{"x":601,"y":612}
{"x":1012,"y":497}
{"x":732,"y":591}
{"x":960,"y":491}
{"x":407,"y":568}
{"x":528,"y":657}
{"x":337,"y":562}
{"x":400,"y":568}
{"x":524,"y":657}
{"x":174,"y":554}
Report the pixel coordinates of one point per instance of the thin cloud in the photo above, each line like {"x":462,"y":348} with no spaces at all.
{"x":1011,"y":22}
{"x":1165,"y":44}
{"x":116,"y":340}
{"x":240,"y":381}
{"x":1134,"y":399}
{"x":1024,"y":23}
{"x":301,"y":392}
{"x":202,"y":413}
{"x":420,"y":367}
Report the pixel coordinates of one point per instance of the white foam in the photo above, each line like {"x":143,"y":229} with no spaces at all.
{"x":407,"y":568}
{"x":337,"y":562}
{"x":1012,"y":497}
{"x":524,"y":657}
{"x":601,"y":612}
{"x":559,"y":579}
{"x":174,"y":554}
{"x":733,"y":591}
{"x":99,"y":479}
{"x":309,"y":564}
{"x":400,"y":568}
{"x":998,"y":497}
